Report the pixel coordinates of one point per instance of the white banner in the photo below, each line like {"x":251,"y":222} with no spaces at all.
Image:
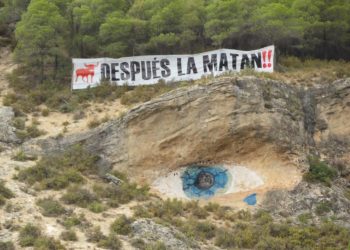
{"x":143,"y":70}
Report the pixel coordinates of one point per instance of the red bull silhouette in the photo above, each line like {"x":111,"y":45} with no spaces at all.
{"x":89,"y":70}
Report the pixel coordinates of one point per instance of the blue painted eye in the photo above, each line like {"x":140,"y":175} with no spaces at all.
{"x":204,"y":182}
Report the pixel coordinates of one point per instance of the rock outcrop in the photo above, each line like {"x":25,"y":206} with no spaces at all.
{"x":268,"y":126}
{"x":7,"y":131}
{"x":151,"y":232}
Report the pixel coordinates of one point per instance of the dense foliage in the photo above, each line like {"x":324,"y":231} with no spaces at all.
{"x":49,"y":32}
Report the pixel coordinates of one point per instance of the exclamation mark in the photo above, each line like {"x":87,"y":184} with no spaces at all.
{"x":264,"y":59}
{"x":269,"y":58}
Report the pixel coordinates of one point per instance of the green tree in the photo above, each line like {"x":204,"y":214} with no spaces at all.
{"x":279,"y":24}
{"x":120,"y":34}
{"x":10,"y":13}
{"x":41,"y":35}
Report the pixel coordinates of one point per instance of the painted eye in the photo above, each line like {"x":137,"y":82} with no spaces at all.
{"x":206,"y":182}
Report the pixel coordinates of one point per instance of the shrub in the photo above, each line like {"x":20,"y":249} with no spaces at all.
{"x":94,"y":234}
{"x":225,"y":239}
{"x":31,"y":131}
{"x":212,"y":207}
{"x":59,"y":170}
{"x":69,"y":235}
{"x":28,"y":235}
{"x":8,"y":245}
{"x":246,"y":237}
{"x":145,"y":93}
{"x":5,"y":192}
{"x":19,"y":123}
{"x":72,"y":221}
{"x":304,"y":218}
{"x":50,"y":207}
{"x":323,"y":208}
{"x":319,"y":171}
{"x":198,"y":230}
{"x":21,"y":156}
{"x":271,"y":243}
{"x":45,"y":112}
{"x":158,"y":245}
{"x":121,"y":225}
{"x":94,"y":123}
{"x":96,"y":207}
{"x":79,"y":196}
{"x":200,"y":213}
{"x":138,"y":243}
{"x":112,"y":242}
{"x":2,"y":201}
{"x":121,"y":194}
{"x":263,"y":217}
{"x":44,"y":243}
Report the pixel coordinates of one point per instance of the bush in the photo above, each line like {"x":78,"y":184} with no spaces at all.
{"x":7,"y":245}
{"x":138,"y":243}
{"x":212,"y":207}
{"x":94,"y":235}
{"x":263,"y":217}
{"x":158,"y":245}
{"x":72,"y":221}
{"x":79,"y":196}
{"x":121,"y":225}
{"x":2,"y":201}
{"x":69,"y":235}
{"x":304,"y":218}
{"x":323,"y":208}
{"x":50,"y":207}
{"x":28,"y":235}
{"x":58,"y":171}
{"x":19,"y":123}
{"x":96,"y":207}
{"x":145,"y":93}
{"x":94,"y":123}
{"x":121,"y":194}
{"x":271,"y":243}
{"x":225,"y":239}
{"x":5,"y":192}
{"x":45,"y":112}
{"x":198,"y":230}
{"x":21,"y":156}
{"x":319,"y":171}
{"x":31,"y":131}
{"x":45,"y":243}
{"x":112,"y":242}
{"x":200,"y":213}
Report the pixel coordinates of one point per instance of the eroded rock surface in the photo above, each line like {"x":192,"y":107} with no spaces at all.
{"x":151,"y":232}
{"x":7,"y":131}
{"x":265,"y":125}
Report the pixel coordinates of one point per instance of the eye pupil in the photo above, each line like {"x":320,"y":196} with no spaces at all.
{"x":204,"y":180}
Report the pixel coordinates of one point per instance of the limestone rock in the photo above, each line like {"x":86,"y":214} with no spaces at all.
{"x":306,"y":198}
{"x":151,"y":232}
{"x":231,"y":119}
{"x":266,"y":125}
{"x":7,"y":131}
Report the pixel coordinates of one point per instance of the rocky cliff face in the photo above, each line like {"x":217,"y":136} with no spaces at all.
{"x":265,"y":125}
{"x":7,"y":131}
